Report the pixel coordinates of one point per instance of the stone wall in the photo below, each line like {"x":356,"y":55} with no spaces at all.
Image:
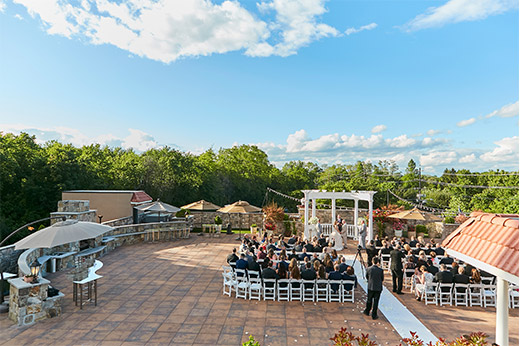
{"x":9,"y":259}
{"x":120,"y":222}
{"x":237,"y":220}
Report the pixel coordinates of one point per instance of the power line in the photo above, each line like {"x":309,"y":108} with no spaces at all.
{"x":480,"y":174}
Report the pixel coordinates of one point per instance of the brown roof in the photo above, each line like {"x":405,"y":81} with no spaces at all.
{"x":140,"y":197}
{"x":489,"y":238}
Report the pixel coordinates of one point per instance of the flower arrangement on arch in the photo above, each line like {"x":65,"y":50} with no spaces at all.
{"x":313,"y":220}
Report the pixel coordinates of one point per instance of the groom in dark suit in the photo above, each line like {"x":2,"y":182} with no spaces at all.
{"x":375,"y":277}
{"x":396,"y":266}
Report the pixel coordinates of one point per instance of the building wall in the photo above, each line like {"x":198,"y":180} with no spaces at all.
{"x":112,"y":205}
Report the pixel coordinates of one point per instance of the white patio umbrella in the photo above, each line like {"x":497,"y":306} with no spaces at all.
{"x":62,"y":232}
{"x":159,"y":207}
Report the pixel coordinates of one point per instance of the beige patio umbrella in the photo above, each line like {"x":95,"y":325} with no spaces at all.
{"x":240,"y":207}
{"x":62,"y":232}
{"x":201,"y":205}
{"x":416,"y":214}
{"x":159,"y":207}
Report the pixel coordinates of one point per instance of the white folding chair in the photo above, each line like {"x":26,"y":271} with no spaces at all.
{"x":408,"y":279}
{"x":308,"y":290}
{"x":475,"y":295}
{"x":513,"y":296}
{"x":322,"y":290}
{"x":347,"y":295}
{"x":283,"y":289}
{"x":335,"y":290}
{"x":242,"y":288}
{"x":489,"y":295}
{"x":255,"y":288}
{"x":487,"y":280}
{"x":296,"y":290}
{"x":269,"y":289}
{"x":385,"y":261}
{"x":460,"y":294}
{"x":429,"y":294}
{"x":253,"y":274}
{"x":229,"y":284}
{"x":445,"y":293}
{"x":227,"y":269}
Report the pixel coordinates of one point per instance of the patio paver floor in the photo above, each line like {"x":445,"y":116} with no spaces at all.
{"x":171,"y":293}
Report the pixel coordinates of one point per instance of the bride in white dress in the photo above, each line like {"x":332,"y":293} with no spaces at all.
{"x":338,"y":240}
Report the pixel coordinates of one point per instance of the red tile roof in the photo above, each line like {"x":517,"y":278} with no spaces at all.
{"x":489,"y":238}
{"x":140,"y":197}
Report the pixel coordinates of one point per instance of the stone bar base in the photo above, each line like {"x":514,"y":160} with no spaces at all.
{"x":29,"y":303}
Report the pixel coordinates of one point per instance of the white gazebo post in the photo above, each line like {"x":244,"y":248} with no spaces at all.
{"x":333,"y":211}
{"x":306,"y":214}
{"x":314,"y":207}
{"x":502,"y":296}
{"x":370,"y":219}
{"x":356,"y":208}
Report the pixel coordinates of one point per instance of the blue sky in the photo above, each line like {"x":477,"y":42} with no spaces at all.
{"x":325,"y":81}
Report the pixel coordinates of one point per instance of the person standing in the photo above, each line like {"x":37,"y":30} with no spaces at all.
{"x":362,"y":234}
{"x":375,"y":277}
{"x":396,"y":266}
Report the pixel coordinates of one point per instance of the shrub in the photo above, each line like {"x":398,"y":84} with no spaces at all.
{"x":449,"y":219}
{"x":421,"y":229}
{"x":344,"y":338}
{"x":218,"y":220}
{"x":182,"y":213}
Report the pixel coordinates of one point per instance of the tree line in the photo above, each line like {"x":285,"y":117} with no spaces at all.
{"x":32,"y":177}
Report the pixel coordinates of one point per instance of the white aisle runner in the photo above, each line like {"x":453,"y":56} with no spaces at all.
{"x":395,"y":312}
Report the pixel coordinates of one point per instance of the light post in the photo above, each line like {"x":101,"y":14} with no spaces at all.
{"x":100,"y":217}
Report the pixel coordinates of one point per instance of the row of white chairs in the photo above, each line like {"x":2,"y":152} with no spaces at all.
{"x":466,"y":295}
{"x":249,"y":285}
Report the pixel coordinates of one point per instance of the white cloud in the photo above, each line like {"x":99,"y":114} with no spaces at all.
{"x":432,"y":132}
{"x":2,"y":6}
{"x":505,"y":152}
{"x":17,"y":16}
{"x":468,"y":158}
{"x":402,"y":141}
{"x":437,"y":158}
{"x":455,"y":11}
{"x":510,"y":110}
{"x":137,"y":139}
{"x":378,"y":128}
{"x":351,"y":31}
{"x":296,"y":24}
{"x":165,"y":30}
{"x":466,"y":122}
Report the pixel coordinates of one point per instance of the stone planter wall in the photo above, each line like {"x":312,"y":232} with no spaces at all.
{"x":28,"y":303}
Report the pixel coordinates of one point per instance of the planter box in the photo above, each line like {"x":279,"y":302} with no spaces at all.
{"x":254,"y":230}
{"x":398,"y":233}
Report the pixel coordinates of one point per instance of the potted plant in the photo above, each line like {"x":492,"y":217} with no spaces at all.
{"x":398,"y":228}
{"x":218,"y":224}
{"x":30,"y":278}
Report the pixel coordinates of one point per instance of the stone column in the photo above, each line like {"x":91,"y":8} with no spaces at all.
{"x":27,"y":302}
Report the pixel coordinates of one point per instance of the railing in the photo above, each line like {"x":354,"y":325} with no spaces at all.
{"x":327,"y":229}
{"x":352,"y":231}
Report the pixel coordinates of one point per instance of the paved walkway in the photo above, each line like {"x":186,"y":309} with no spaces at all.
{"x":171,"y":293}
